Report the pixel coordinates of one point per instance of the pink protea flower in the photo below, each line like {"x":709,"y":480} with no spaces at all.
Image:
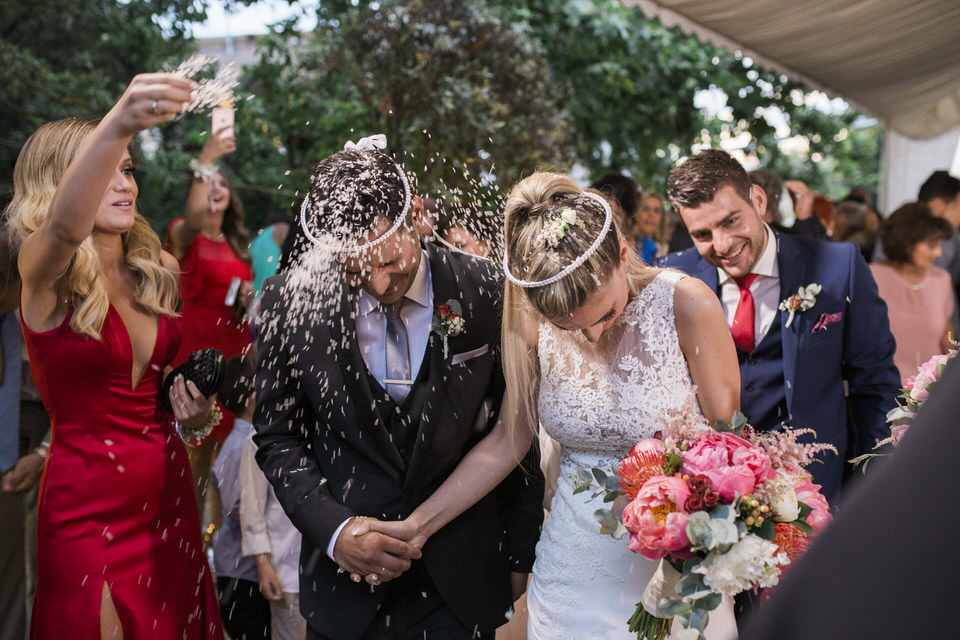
{"x":656,"y":518}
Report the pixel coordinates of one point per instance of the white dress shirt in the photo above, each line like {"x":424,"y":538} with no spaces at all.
{"x":372,"y":336}
{"x":765,"y":290}
{"x":417,"y":318}
{"x":265,"y":527}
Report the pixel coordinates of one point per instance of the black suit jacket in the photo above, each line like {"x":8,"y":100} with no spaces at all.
{"x":329,"y":455}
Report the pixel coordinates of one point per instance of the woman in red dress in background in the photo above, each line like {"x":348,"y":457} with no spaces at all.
{"x":119,"y":553}
{"x":210,"y":242}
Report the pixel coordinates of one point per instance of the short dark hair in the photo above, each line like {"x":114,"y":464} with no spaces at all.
{"x":771,"y":184}
{"x":907,"y":227}
{"x":696,"y":180}
{"x":237,"y":384}
{"x":941,"y":185}
{"x":352,"y":189}
{"x":621,"y":188}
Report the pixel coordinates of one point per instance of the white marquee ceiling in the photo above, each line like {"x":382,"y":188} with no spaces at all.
{"x":898,"y":60}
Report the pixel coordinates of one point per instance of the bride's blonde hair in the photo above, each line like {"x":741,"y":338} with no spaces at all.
{"x":40,"y":166}
{"x":535,"y":202}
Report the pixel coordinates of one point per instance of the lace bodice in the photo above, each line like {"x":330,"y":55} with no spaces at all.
{"x":599,"y":399}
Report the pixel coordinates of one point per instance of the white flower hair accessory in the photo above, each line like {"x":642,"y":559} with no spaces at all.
{"x":555,"y":229}
{"x":570,"y":268}
{"x":375,"y":142}
{"x":802,"y":300}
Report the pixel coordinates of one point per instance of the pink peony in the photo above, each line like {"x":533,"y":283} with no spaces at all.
{"x":655,"y":518}
{"x":809,"y":494}
{"x":732,"y":464}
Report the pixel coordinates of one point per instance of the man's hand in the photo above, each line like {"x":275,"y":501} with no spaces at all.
{"x":24,"y":474}
{"x":802,"y":198}
{"x":364,"y":552}
{"x":270,"y":585}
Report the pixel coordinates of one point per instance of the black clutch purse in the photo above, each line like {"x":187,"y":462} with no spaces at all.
{"x":204,"y":368}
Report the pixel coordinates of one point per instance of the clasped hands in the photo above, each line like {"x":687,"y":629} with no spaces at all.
{"x":377,"y":551}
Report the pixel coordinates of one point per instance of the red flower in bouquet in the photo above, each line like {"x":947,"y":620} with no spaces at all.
{"x":732,"y":464}
{"x":656,"y":518}
{"x":643,"y":462}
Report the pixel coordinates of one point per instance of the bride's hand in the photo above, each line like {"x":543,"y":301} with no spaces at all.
{"x":407,"y":530}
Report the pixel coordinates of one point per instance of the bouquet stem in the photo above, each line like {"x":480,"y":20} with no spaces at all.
{"x":648,"y":626}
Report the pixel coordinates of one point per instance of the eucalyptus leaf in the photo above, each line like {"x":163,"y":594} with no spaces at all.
{"x":739,"y":421}
{"x":672,"y":607}
{"x":710,"y":602}
{"x":699,"y":618}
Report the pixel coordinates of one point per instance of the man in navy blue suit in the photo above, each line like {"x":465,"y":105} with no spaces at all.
{"x":828,"y":364}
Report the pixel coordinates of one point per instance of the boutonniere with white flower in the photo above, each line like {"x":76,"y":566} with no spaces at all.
{"x":802,"y":300}
{"x":448,"y":321}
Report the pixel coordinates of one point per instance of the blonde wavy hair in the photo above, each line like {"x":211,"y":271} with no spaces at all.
{"x":40,"y":166}
{"x":533,"y":203}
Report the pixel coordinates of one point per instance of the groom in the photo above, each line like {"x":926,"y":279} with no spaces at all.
{"x":363,"y":410}
{"x":828,"y":366}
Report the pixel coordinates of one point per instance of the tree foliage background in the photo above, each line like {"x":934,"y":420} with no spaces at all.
{"x":472,"y":94}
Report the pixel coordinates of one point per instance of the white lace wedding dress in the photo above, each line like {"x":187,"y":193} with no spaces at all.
{"x":597,"y":400}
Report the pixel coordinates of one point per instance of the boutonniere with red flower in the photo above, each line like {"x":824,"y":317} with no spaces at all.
{"x":448,"y":321}
{"x":803,"y":299}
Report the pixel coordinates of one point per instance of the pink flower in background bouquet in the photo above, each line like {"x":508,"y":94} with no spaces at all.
{"x":725,"y":509}
{"x":914,"y":393}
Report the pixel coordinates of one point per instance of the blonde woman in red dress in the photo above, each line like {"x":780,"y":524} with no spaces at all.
{"x":119,"y":553}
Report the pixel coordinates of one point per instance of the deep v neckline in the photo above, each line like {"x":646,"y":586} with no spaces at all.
{"x":134,"y":384}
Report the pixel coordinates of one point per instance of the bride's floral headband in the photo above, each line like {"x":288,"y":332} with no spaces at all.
{"x":558,"y":227}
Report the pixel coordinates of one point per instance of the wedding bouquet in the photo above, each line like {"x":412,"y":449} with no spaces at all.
{"x":724,"y":508}
{"x":914,"y":393}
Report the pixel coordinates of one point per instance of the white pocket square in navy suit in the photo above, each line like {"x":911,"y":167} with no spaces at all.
{"x":469,"y":355}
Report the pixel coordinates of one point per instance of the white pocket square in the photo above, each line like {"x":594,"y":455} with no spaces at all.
{"x":469,"y":355}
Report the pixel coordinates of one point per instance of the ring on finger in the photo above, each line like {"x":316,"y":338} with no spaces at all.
{"x":153,"y":107}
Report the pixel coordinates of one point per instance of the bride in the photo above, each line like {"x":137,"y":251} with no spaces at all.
{"x":597,"y":348}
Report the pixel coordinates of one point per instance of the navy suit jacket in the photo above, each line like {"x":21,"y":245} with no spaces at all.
{"x":822,"y":355}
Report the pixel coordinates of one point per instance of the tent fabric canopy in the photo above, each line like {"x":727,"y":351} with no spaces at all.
{"x":898,"y":60}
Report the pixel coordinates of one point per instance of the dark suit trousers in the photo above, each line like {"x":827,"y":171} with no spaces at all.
{"x":413,"y":610}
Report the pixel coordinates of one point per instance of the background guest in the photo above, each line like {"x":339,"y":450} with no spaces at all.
{"x":806,"y":223}
{"x":269,"y":539}
{"x":266,"y":247}
{"x":210,"y":242}
{"x":941,"y":192}
{"x":245,"y":611}
{"x":623,"y":194}
{"x":652,"y":221}
{"x":918,"y":294}
{"x":468,"y":232}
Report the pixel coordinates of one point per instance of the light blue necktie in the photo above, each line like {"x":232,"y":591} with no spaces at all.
{"x":397,"y":349}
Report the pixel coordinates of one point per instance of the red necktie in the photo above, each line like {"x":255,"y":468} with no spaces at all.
{"x":742,"y":328}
